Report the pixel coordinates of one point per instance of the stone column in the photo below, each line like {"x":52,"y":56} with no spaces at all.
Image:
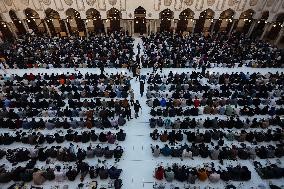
{"x":155,"y":26}
{"x":132,"y":27}
{"x":232,"y":27}
{"x":126,"y":25}
{"x":254,"y":23}
{"x":265,"y":30}
{"x":47,"y":28}
{"x":26,"y":26}
{"x":175,"y":25}
{"x":66,"y":26}
{"x":193,"y":25}
{"x":280,"y":35}
{"x":105,"y":25}
{"x":213,"y":26}
{"x":9,"y":25}
{"x":86,"y":28}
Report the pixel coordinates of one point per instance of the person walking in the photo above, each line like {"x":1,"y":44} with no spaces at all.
{"x":128,"y":112}
{"x":137,"y":107}
{"x":141,"y":88}
{"x":138,"y":47}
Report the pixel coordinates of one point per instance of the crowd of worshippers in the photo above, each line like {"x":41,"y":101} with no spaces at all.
{"x":233,"y":86}
{"x":60,"y":174}
{"x":69,"y":95}
{"x":265,"y":85}
{"x":63,"y":103}
{"x":219,"y":152}
{"x":223,"y":94}
{"x":15,"y":122}
{"x":209,"y":172}
{"x":169,"y":50}
{"x":215,"y":123}
{"x":62,"y":154}
{"x":270,"y":171}
{"x":208,"y":136}
{"x":66,"y":86}
{"x":195,"y":111}
{"x":37,"y":138}
{"x":113,"y":50}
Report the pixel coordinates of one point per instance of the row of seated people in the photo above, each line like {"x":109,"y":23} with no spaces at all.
{"x":216,"y":78}
{"x":114,"y":50}
{"x":165,"y":49}
{"x":189,"y":174}
{"x":56,"y":79}
{"x":71,"y":103}
{"x":200,"y":87}
{"x":211,"y":110}
{"x":212,"y":97}
{"x":54,"y":93}
{"x":185,"y":80}
{"x":86,"y":89}
{"x":219,"y":152}
{"x":215,"y":101}
{"x":208,"y":136}
{"x":59,"y":153}
{"x":99,"y":85}
{"x":270,"y":171}
{"x":63,"y":123}
{"x":215,"y":123}
{"x":39,"y":176}
{"x":53,"y":112}
{"x":37,"y":138}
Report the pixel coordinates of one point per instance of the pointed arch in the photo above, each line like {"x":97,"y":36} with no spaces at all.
{"x":54,"y":22}
{"x":225,"y":21}
{"x":5,"y":32}
{"x":34,"y":22}
{"x":276,"y":26}
{"x":245,"y":21}
{"x":74,"y":22}
{"x":94,"y":21}
{"x":140,"y":20}
{"x":185,"y":21}
{"x":166,"y":17}
{"x":258,"y":30}
{"x":204,"y":23}
{"x":114,"y":17}
{"x":17,"y":22}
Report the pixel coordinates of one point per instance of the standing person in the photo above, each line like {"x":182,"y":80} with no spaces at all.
{"x":131,"y":93}
{"x":138,"y":47}
{"x":137,"y":107}
{"x":161,"y":65}
{"x":155,"y":67}
{"x":128,"y":112}
{"x":134,"y":66}
{"x":141,"y":88}
{"x":203,"y":70}
{"x":102,"y":68}
{"x":138,"y":70}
